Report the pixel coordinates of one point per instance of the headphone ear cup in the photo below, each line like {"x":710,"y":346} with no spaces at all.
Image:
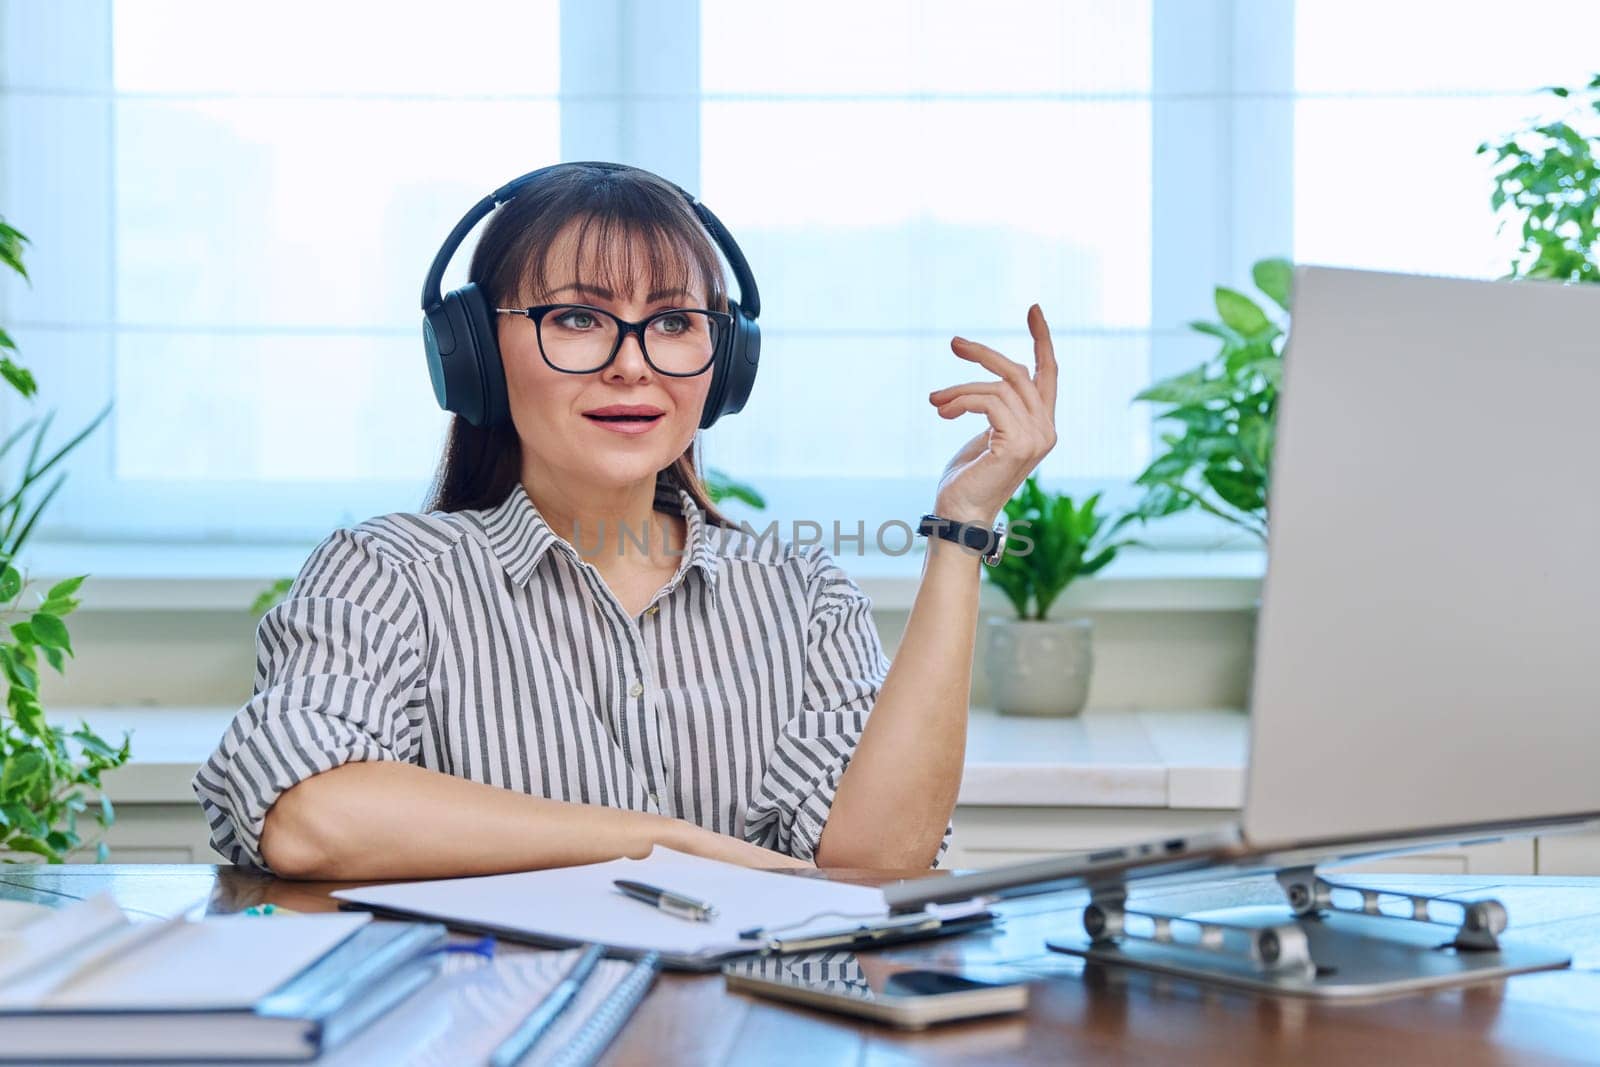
{"x":738,"y":368}
{"x":493,"y":403}
{"x":719,"y":386}
{"x":450,"y":358}
{"x":464,"y":358}
{"x":734,"y":368}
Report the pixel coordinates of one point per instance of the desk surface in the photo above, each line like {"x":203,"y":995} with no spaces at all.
{"x":1077,"y":1015}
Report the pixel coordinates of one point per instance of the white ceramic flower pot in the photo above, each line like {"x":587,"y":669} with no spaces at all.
{"x":1039,"y":667}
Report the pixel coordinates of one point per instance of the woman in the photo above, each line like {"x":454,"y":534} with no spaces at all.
{"x":571,"y":656}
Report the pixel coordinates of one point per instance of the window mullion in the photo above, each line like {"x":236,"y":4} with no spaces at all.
{"x":630,"y":84}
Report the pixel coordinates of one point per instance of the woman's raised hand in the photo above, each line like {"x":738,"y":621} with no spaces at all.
{"x":1021,"y":410}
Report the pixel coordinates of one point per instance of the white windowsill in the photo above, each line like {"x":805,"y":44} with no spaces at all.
{"x":1172,"y":759}
{"x":153,"y":577}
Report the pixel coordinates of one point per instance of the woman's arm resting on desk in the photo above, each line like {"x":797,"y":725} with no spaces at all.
{"x":384,"y":819}
{"x":899,"y":790}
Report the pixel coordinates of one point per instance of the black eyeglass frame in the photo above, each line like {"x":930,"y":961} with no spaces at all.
{"x":722,"y":319}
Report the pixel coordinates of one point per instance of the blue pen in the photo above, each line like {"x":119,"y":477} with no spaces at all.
{"x":522,"y":1039}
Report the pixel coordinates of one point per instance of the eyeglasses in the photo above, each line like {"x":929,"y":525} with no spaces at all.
{"x":580,"y":339}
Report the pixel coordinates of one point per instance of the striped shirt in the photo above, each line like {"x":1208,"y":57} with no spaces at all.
{"x":479,"y":643}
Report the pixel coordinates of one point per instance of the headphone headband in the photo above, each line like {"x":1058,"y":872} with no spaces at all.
{"x":432,"y":294}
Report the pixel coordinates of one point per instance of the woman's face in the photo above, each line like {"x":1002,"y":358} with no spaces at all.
{"x":553,"y":411}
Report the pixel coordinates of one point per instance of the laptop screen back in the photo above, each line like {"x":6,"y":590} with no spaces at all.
{"x":1428,"y":652}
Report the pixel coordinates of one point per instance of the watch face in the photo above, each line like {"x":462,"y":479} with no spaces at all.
{"x":994,"y":555}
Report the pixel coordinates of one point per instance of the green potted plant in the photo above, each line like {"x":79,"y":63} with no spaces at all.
{"x":1547,"y":178}
{"x":1218,"y":457}
{"x":1037,"y":665}
{"x":49,"y":775}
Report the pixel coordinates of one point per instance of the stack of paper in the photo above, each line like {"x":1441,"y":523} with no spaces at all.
{"x":580,"y":905}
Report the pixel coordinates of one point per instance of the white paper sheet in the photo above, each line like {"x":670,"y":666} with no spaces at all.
{"x":581,"y":904}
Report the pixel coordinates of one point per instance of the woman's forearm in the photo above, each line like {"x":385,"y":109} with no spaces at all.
{"x":895,"y":798}
{"x":385,"y":819}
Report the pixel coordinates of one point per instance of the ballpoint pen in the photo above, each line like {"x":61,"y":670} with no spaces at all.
{"x":668,"y":901}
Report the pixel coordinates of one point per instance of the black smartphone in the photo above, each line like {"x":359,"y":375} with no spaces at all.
{"x":907,"y":996}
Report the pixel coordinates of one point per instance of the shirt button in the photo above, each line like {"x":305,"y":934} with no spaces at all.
{"x":636,"y":689}
{"x":652,"y":609}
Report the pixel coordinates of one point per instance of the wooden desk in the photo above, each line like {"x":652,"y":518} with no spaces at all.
{"x":1077,"y":1014}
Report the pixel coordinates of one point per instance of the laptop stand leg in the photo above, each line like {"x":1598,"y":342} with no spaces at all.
{"x":1478,"y":926}
{"x":1329,"y":939}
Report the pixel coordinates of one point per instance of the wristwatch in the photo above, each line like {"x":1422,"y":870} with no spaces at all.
{"x":990,"y":544}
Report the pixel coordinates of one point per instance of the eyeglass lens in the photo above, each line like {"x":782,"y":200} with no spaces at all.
{"x":582,"y":339}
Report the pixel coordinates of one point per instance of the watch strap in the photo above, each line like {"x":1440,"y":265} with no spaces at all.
{"x":986,"y":542}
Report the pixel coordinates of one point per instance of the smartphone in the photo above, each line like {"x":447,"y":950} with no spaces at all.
{"x":902,"y":995}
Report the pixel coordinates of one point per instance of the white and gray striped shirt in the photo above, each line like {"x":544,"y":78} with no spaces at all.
{"x":478,"y":643}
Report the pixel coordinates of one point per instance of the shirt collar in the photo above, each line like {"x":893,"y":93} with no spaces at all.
{"x":520,"y":536}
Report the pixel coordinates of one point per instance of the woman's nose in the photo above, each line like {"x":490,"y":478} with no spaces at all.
{"x":630,"y":362}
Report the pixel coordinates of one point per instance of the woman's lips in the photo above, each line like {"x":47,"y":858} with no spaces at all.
{"x":629,"y":425}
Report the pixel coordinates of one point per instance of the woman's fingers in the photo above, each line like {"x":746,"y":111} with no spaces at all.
{"x":1003,"y":390}
{"x":1016,"y":430}
{"x":1044,"y":359}
{"x":1008,"y":369}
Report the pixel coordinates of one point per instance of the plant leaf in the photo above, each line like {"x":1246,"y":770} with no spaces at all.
{"x":271,"y":595}
{"x":21,"y":771}
{"x":1240,"y":312}
{"x":10,"y":583}
{"x":51,"y":632}
{"x":1275,"y":277}
{"x":66,"y":587}
{"x":28,"y":843}
{"x":1239,"y":488}
{"x":21,"y":378}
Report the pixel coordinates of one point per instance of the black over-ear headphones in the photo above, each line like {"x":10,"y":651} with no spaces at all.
{"x":464,"y":349}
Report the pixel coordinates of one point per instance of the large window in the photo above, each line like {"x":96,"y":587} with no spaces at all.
{"x":904,"y":172}
{"x":232,"y":208}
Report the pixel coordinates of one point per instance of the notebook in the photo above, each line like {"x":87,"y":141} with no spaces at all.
{"x":475,"y":1003}
{"x":87,"y":983}
{"x":578,"y":905}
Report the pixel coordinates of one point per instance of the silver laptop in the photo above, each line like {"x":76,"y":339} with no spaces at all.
{"x":1427,"y":662}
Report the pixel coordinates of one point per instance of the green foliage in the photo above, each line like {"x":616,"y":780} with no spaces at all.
{"x":1547,"y":179}
{"x":1051,"y":542}
{"x":1219,"y":455}
{"x":271,"y":595}
{"x":720,"y":487}
{"x":48,"y":775}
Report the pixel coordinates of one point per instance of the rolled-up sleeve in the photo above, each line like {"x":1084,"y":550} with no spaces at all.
{"x":845,"y":667}
{"x":337,"y":665}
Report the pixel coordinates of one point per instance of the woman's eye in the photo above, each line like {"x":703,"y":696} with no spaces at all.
{"x":576,"y":320}
{"x":673,"y":323}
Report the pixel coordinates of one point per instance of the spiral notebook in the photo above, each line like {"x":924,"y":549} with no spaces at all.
{"x":465,"y":1012}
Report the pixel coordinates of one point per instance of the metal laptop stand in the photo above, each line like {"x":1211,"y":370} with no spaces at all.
{"x":1317,"y":946}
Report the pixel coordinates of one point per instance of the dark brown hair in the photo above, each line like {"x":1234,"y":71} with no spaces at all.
{"x":481,"y":465}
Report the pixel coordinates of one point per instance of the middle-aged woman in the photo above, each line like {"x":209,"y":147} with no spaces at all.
{"x":571,"y":655}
